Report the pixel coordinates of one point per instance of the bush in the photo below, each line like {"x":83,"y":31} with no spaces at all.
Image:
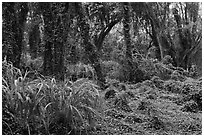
{"x":9,"y":74}
{"x":190,"y":106}
{"x":147,"y":65}
{"x":167,"y":60}
{"x":111,"y":69}
{"x":173,"y":86}
{"x":152,"y":67}
{"x":177,"y":76}
{"x":110,"y":93}
{"x":121,"y":101}
{"x":44,"y":106}
{"x":113,"y":82}
{"x":32,"y":64}
{"x":80,"y":70}
{"x":194,"y":72}
{"x":158,"y":82}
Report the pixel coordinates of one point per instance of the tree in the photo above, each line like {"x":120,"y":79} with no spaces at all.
{"x":56,"y":30}
{"x":186,"y":17}
{"x":90,"y":50}
{"x":34,"y":32}
{"x":14,"y":14}
{"x":46,"y":10}
{"x":127,"y":38}
{"x":134,"y":74}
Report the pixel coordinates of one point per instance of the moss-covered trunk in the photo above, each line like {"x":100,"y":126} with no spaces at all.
{"x":90,"y":49}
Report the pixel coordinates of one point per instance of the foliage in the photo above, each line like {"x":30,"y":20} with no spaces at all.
{"x":177,"y":76}
{"x":121,"y":101}
{"x":41,"y":103}
{"x":111,"y":69}
{"x":32,"y":64}
{"x":80,"y":70}
{"x":143,"y":58}
{"x":167,"y":60}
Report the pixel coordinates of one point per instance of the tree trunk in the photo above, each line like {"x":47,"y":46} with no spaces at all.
{"x":185,"y":41}
{"x":61,"y":62}
{"x":18,"y":30}
{"x":8,"y":28}
{"x":127,"y":38}
{"x":156,"y":30}
{"x":58,"y":64}
{"x":34,"y":41}
{"x":48,"y":19}
{"x":90,"y":49}
{"x":48,"y":70}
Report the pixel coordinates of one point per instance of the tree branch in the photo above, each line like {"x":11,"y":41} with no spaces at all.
{"x":105,"y":32}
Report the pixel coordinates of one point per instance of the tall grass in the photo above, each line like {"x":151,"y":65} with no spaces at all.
{"x":43,"y":106}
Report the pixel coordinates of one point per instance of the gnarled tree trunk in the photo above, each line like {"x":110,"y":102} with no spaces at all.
{"x":90,"y":49}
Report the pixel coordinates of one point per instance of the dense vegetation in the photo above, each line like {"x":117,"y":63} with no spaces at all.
{"x":101,"y":68}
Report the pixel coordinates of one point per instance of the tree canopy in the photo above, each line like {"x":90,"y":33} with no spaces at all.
{"x":62,"y":33}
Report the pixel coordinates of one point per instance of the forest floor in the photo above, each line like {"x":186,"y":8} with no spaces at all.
{"x":165,"y":108}
{"x":151,"y":107}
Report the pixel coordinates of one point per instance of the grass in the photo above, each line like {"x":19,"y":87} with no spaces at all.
{"x":41,"y":105}
{"x":46,"y":106}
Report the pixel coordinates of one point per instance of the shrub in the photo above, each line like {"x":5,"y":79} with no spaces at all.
{"x":162,"y":71}
{"x":111,"y":69}
{"x":190,"y":106}
{"x":121,"y":101}
{"x":151,"y":67}
{"x":113,"y":82}
{"x":147,"y":65}
{"x":79,"y":107}
{"x":157,"y":123}
{"x":32,"y":64}
{"x":158,"y":82}
{"x":80,"y":70}
{"x":177,"y":76}
{"x":35,"y":106}
{"x":167,"y":60}
{"x":193,"y":71}
{"x":173,"y":86}
{"x":21,"y":102}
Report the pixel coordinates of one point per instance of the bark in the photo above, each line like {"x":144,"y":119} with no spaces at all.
{"x":185,"y":41}
{"x":133,"y":73}
{"x":104,"y":33}
{"x":127,"y":38}
{"x":48,"y":20}
{"x":48,"y":70}
{"x":158,"y":37}
{"x":20,"y":19}
{"x":61,"y":62}
{"x":90,"y":49}
{"x":155,"y":40}
{"x":8,"y":27}
{"x":34,"y":41}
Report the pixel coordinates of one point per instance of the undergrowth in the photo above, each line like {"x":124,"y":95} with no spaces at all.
{"x":43,"y":106}
{"x":169,"y":102}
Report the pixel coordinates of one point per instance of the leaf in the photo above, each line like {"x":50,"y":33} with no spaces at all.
{"x":53,"y":81}
{"x":5,"y":82}
{"x":91,"y":110}
{"x":28,"y":100}
{"x":37,"y":102}
{"x":41,"y":85}
{"x":48,"y":105}
{"x":78,"y":113}
{"x":19,"y":96}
